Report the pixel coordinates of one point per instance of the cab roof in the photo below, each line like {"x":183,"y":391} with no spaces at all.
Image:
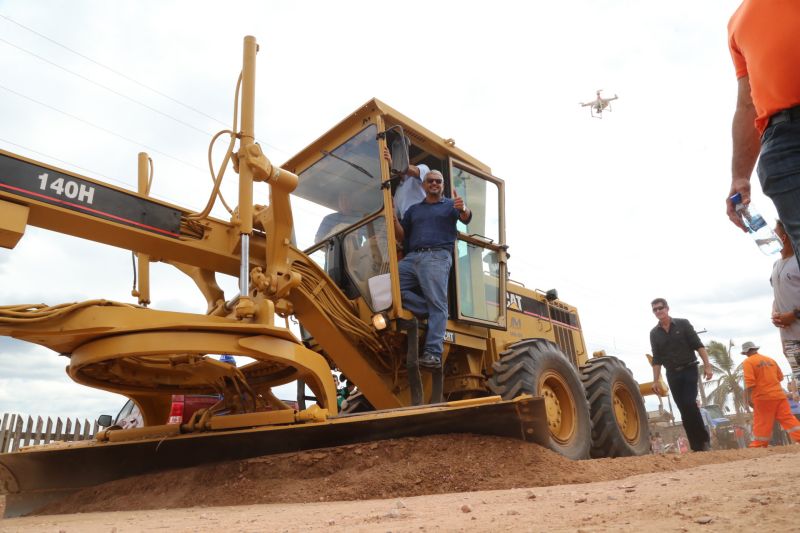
{"x":420,"y":136}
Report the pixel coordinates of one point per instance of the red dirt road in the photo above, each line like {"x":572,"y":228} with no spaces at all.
{"x":448,"y":483}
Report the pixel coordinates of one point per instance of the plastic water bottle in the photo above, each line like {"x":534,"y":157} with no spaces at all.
{"x":757,"y":227}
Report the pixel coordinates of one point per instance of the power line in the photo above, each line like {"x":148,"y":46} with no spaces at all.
{"x":31,"y":150}
{"x":122,"y":75}
{"x":132,"y":80}
{"x":109,"y":89}
{"x":132,"y":141}
{"x":120,"y":94}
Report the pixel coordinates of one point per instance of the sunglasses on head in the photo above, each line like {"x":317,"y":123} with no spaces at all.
{"x":434,"y":180}
{"x":659,"y":308}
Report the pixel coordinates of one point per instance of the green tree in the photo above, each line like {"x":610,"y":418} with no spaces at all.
{"x":728,"y":378}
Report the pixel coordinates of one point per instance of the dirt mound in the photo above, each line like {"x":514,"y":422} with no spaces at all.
{"x":383,"y":469}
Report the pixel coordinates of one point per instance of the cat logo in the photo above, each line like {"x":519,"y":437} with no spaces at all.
{"x":449,"y":336}
{"x":514,"y":301}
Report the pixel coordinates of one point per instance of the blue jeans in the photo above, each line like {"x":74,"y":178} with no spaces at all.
{"x":779,"y":173}
{"x":423,"y":288}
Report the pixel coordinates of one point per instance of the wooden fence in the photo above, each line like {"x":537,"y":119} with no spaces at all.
{"x":15,"y":432}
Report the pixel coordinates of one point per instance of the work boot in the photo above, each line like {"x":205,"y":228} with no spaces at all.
{"x":429,"y":361}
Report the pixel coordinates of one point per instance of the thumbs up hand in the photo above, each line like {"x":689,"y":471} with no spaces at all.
{"x":458,"y":202}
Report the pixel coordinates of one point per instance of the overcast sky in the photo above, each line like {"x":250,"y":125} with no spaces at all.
{"x":611,"y":212}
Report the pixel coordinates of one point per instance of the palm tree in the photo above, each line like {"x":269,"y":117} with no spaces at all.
{"x":730,"y":380}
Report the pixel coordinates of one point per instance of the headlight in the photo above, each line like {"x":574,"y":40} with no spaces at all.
{"x":379,"y":321}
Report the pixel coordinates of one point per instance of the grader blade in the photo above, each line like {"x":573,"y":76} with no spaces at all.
{"x":33,"y":477}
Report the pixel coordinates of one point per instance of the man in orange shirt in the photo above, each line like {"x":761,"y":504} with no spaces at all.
{"x":762,"y":37}
{"x":763,"y":392}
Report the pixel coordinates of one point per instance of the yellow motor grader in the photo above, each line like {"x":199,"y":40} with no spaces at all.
{"x":515,"y":363}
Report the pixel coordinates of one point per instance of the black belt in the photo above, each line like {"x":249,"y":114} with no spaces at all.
{"x":683,"y":367}
{"x":433,"y":249}
{"x":787,"y":115}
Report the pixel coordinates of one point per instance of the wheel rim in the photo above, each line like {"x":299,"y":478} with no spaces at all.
{"x":559,"y":405}
{"x":625,"y":412}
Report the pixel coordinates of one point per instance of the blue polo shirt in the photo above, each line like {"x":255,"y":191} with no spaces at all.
{"x":430,"y":225}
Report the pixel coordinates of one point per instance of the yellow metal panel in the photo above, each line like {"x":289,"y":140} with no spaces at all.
{"x":317,"y":375}
{"x":476,"y":338}
{"x":69,"y":326}
{"x":285,"y":416}
{"x":211,"y":244}
{"x":12,"y":223}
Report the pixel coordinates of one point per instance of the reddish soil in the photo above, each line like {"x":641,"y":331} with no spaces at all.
{"x":407,"y":468}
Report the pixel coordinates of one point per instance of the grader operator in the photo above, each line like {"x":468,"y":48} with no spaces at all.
{"x":322,"y":251}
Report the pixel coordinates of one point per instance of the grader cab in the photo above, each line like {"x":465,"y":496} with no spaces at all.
{"x":311,"y":240}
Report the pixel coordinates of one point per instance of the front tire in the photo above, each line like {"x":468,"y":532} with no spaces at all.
{"x":619,"y":418}
{"x":539,"y":368}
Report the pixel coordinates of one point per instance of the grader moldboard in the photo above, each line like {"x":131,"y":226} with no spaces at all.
{"x":515,"y":361}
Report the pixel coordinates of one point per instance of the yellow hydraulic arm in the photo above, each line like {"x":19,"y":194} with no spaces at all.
{"x":254,"y":246}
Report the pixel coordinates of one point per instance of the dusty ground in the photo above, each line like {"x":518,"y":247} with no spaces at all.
{"x":420,"y":484}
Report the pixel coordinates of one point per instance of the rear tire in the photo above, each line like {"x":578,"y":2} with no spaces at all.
{"x":619,"y":418}
{"x":539,"y":368}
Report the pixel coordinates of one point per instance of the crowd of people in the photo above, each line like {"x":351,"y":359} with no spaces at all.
{"x":676,"y":346}
{"x":765,"y":130}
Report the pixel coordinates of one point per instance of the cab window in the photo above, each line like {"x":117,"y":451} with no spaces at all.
{"x":480,"y":275}
{"x":338,"y":190}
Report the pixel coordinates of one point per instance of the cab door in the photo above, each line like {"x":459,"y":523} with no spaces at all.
{"x":480,"y":255}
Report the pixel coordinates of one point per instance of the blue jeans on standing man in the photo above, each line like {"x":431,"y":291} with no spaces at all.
{"x":779,"y":173}
{"x":423,"y":287}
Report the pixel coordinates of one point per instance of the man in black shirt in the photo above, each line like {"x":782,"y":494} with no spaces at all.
{"x":674,"y":343}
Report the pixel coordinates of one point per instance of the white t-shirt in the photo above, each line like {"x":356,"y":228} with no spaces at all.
{"x":410,"y":191}
{"x":785,"y":280}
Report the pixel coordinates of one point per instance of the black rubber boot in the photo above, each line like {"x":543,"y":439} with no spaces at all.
{"x":437,"y":376}
{"x":411,"y":327}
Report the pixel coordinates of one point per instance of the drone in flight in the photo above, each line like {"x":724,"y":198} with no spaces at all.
{"x":599,"y":104}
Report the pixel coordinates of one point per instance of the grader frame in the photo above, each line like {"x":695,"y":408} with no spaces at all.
{"x":515,"y":361}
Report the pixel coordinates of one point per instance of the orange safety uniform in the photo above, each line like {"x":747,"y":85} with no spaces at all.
{"x":765,"y":32}
{"x":763,"y":376}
